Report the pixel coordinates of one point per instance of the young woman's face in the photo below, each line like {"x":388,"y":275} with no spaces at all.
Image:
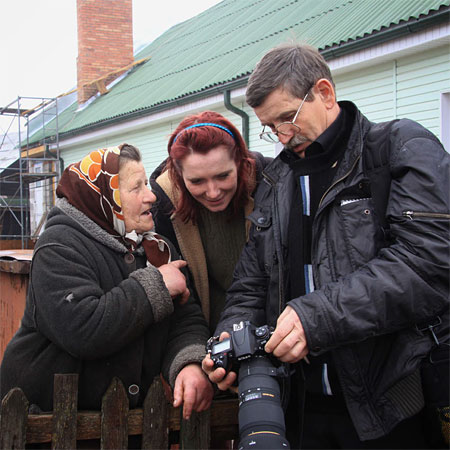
{"x":211,"y":178}
{"x":136,"y":198}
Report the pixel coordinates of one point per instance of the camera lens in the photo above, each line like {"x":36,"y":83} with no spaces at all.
{"x":261,"y":418}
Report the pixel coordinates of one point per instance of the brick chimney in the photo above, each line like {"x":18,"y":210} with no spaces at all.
{"x":105,"y":42}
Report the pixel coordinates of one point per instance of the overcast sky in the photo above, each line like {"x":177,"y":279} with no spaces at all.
{"x":38,"y":46}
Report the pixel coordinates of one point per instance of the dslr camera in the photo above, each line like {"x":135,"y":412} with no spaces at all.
{"x":261,"y":417}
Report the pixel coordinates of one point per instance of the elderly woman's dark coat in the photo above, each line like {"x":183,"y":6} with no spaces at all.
{"x":94,"y":310}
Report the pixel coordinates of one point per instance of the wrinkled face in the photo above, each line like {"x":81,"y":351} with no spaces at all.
{"x":211,"y":178}
{"x":136,"y":197}
{"x":313,"y":119}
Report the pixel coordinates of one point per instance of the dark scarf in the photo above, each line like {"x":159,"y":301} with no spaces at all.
{"x":321,"y":161}
{"x":92,"y":186}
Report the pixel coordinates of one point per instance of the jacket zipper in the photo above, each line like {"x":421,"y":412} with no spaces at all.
{"x":284,"y":382}
{"x":339,"y":180}
{"x":415,"y":214}
{"x":321,"y":201}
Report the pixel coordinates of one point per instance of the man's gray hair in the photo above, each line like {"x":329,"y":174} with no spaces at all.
{"x":291,"y":66}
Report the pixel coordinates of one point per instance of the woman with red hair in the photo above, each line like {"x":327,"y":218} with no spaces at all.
{"x":204,"y":191}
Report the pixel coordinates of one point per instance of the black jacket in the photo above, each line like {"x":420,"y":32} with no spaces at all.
{"x":91,"y":310}
{"x":369,"y":294}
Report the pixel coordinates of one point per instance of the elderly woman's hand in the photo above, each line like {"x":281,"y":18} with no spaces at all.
{"x":174,"y":280}
{"x":193,"y":390}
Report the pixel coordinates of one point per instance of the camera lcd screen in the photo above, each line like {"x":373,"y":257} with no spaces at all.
{"x":221,"y":346}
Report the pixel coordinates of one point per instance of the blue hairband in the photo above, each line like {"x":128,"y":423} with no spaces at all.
{"x":205,"y":124}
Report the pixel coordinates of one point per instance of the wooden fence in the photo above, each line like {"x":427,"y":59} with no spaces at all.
{"x":159,"y":424}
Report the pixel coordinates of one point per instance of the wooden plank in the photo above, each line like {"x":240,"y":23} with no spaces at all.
{"x":195,"y":432}
{"x":15,"y":244}
{"x":65,"y":394}
{"x":39,"y":427}
{"x":155,"y":423}
{"x":116,"y":71}
{"x":100,"y":85}
{"x":114,"y":426}
{"x":224,"y":420}
{"x":13,"y":266}
{"x":33,"y":152}
{"x":13,"y":420}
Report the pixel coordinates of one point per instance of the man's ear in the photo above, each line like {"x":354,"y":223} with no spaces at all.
{"x":325,"y":90}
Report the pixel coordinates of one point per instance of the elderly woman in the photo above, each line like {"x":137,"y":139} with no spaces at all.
{"x":107,"y":296}
{"x":204,"y":192}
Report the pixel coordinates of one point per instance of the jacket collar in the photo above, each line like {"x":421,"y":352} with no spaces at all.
{"x":84,"y":223}
{"x":277,"y":170}
{"x":355,"y":141}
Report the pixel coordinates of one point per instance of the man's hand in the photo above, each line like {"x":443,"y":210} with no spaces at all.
{"x":288,"y":342}
{"x":193,"y":390}
{"x":219,"y":376}
{"x":174,"y":280}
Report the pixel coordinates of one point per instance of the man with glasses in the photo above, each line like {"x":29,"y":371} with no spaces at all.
{"x":344,"y":294}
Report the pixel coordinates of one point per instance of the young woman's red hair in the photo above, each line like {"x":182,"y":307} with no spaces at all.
{"x":185,"y":141}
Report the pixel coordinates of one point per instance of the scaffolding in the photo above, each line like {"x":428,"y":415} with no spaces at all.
{"x":28,"y":184}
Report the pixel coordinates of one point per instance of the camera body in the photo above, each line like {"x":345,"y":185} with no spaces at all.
{"x":261,"y":417}
{"x":245,"y":341}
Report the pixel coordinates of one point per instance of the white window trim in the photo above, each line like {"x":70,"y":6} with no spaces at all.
{"x":445,"y":119}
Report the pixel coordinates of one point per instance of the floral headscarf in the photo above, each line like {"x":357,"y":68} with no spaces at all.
{"x":92,"y":186}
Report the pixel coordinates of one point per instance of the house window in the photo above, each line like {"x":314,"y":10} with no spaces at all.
{"x":445,"y":120}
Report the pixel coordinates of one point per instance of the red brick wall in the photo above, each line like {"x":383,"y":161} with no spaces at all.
{"x":105,"y":41}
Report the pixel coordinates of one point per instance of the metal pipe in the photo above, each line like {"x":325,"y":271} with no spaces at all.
{"x":239,"y":112}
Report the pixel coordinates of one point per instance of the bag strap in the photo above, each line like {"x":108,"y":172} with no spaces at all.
{"x":376,"y":167}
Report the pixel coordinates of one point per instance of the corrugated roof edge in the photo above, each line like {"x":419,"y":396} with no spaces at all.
{"x":161,"y":106}
{"x":385,"y":34}
{"x":394,"y":31}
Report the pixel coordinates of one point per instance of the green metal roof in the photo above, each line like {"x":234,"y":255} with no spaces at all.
{"x":220,"y":47}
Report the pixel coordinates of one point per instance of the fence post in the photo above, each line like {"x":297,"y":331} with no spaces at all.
{"x":13,"y":420}
{"x":114,"y":427}
{"x":195,"y":432}
{"x":65,"y":395}
{"x":155,"y":423}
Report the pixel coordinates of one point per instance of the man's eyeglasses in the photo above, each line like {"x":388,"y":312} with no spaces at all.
{"x":284,"y":128}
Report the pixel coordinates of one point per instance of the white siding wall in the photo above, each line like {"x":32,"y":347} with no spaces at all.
{"x":420,"y":81}
{"x":152,"y":139}
{"x":409,"y":87}
{"x":371,"y":89}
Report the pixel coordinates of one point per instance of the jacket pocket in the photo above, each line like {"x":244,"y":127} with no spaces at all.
{"x":361,"y":228}
{"x":261,"y":218}
{"x":261,"y":234}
